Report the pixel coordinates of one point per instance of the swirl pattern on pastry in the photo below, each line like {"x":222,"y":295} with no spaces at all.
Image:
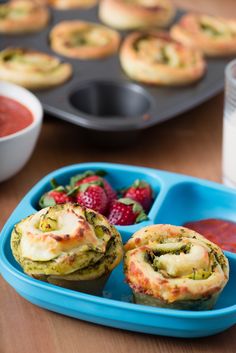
{"x":66,"y":242}
{"x":156,"y":58}
{"x":134,"y":14}
{"x":22,"y":16}
{"x":175,"y":267}
{"x":84,"y":40}
{"x":32,"y":69}
{"x":71,"y":4}
{"x":214,"y":36}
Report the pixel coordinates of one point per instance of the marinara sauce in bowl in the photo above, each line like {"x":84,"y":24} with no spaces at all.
{"x":20,"y":123}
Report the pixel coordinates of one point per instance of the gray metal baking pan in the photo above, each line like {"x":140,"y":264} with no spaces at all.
{"x":100,"y":97}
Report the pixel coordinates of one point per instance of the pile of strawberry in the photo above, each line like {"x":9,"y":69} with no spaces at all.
{"x":90,"y":189}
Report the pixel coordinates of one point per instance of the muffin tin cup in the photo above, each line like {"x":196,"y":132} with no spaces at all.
{"x":94,"y":287}
{"x":103,"y":100}
{"x":178,"y":199}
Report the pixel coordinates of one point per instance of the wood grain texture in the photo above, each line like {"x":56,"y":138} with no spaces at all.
{"x":190,"y":144}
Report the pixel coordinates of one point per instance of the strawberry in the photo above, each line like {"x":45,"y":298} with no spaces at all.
{"x":90,"y":176}
{"x":54,"y":197}
{"x":92,"y":195}
{"x":126,"y":211}
{"x":141,"y":192}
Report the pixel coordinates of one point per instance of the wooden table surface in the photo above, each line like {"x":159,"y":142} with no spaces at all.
{"x":189,"y":144}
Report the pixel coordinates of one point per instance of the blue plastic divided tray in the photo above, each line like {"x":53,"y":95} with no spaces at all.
{"x":178,"y":199}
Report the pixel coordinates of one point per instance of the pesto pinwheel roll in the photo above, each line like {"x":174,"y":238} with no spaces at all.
{"x":214,"y":36}
{"x":174,"y":267}
{"x":70,"y":4}
{"x":22,"y":16}
{"x":155,"y":58}
{"x":67,"y":245}
{"x":32,"y":69}
{"x":134,"y":14}
{"x":83,"y":40}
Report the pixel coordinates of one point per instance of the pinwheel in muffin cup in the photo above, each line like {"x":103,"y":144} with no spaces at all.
{"x":32,"y":69}
{"x":155,"y":58}
{"x":22,"y":16}
{"x":84,"y":40}
{"x":214,"y":36}
{"x":68,"y":246}
{"x":174,"y":267}
{"x":135,"y":14}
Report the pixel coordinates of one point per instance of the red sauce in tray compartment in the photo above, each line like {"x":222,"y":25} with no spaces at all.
{"x":219,"y":231}
{"x":13,"y":116}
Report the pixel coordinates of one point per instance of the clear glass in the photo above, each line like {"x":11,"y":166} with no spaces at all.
{"x":229,"y":126}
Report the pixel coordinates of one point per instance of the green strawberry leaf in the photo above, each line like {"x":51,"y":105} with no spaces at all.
{"x":81,"y":176}
{"x":126,"y":201}
{"x":87,"y":173}
{"x":46,"y":201}
{"x":59,"y":188}
{"x":73,"y":191}
{"x":54,"y":183}
{"x":141,"y":217}
{"x":101,"y":173}
{"x":85,"y":186}
{"x":138,"y":183}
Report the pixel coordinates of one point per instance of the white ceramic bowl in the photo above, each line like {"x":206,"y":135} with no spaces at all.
{"x":16,"y":149}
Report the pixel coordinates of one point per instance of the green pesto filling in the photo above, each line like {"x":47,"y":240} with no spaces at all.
{"x":152,"y":257}
{"x":211,"y":30}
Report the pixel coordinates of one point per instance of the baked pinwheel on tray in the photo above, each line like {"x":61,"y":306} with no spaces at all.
{"x":134,"y":14}
{"x":71,"y":4}
{"x":32,"y":69}
{"x":22,"y":16}
{"x":84,"y":40}
{"x":174,"y":267}
{"x":154,"y":57}
{"x":69,"y":246}
{"x":215,"y":36}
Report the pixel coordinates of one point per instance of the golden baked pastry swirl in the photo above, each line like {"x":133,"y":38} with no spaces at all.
{"x":155,"y":58}
{"x":71,"y":4}
{"x":174,"y":267}
{"x":32,"y":69}
{"x":22,"y":16}
{"x":134,"y":14}
{"x":66,"y":243}
{"x":83,"y":40}
{"x":215,"y":36}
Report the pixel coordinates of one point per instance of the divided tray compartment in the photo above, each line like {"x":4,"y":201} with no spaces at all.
{"x":178,"y":199}
{"x":102,"y":99}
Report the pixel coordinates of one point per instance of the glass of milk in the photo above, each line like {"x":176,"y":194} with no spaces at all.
{"x":229,"y":126}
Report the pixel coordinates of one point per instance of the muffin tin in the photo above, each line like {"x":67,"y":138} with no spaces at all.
{"x":101,"y":97}
{"x":178,"y":199}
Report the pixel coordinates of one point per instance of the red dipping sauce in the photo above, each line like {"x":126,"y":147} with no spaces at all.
{"x":13,"y":116}
{"x":220,"y":232}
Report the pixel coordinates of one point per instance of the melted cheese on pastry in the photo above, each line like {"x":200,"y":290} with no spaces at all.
{"x":70,"y":230}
